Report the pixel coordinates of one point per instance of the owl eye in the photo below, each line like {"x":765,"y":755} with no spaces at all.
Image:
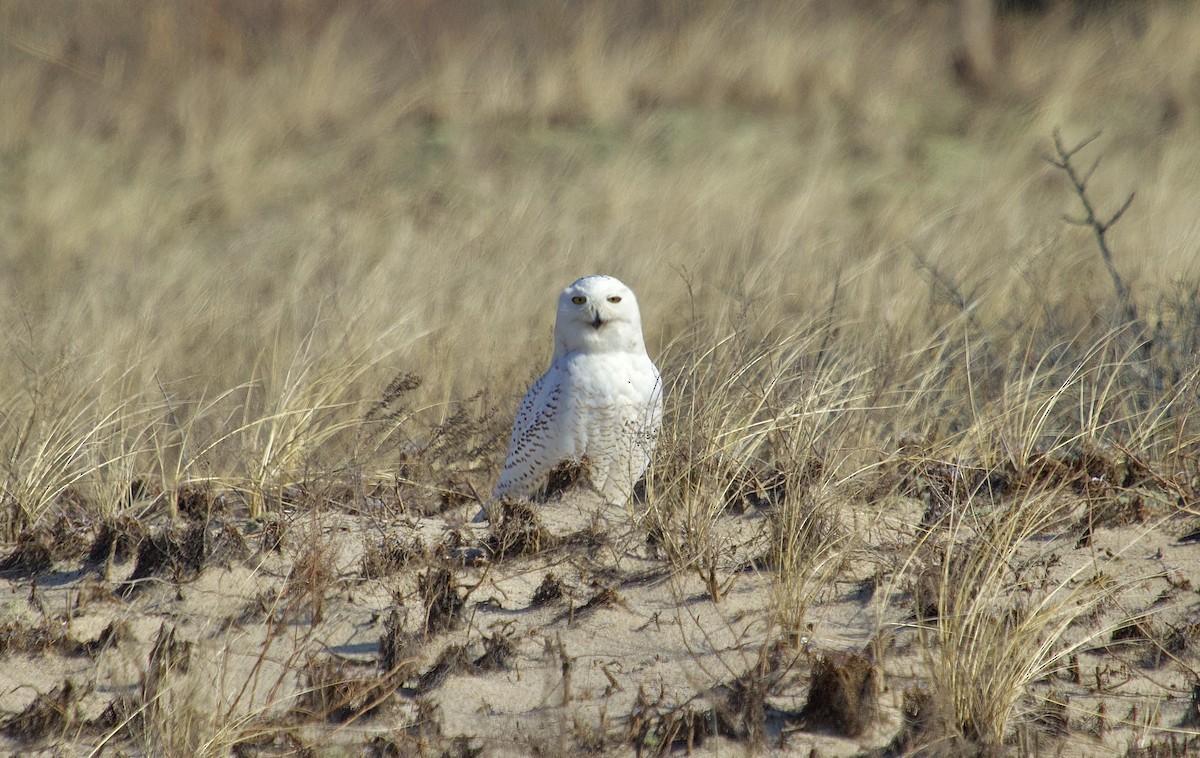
{"x":614,"y":298}
{"x":579,"y":300}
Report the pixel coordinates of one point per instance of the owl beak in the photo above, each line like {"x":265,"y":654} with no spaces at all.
{"x":596,"y":321}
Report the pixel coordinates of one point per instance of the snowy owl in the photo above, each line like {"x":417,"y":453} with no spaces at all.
{"x":599,"y":403}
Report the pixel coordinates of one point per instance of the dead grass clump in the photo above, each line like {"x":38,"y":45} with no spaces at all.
{"x":1192,"y":717}
{"x":745,"y":411}
{"x":842,"y":694}
{"x":51,"y":431}
{"x":53,"y":635}
{"x":33,"y":554}
{"x":271,"y":739}
{"x":199,"y":502}
{"x":440,"y":599}
{"x":452,"y":660}
{"x":919,"y":470}
{"x":16,"y":637}
{"x":1190,"y":534}
{"x":1168,"y":746}
{"x":564,"y":477}
{"x":224,"y":545}
{"x":1116,"y":484}
{"x":170,"y":656}
{"x":271,"y":539}
{"x":258,"y":609}
{"x":335,"y":694}
{"x":424,"y":739}
{"x":397,"y":649}
{"x":603,"y":598}
{"x":761,"y":486}
{"x":310,"y":579}
{"x":737,"y":709}
{"x":37,"y":549}
{"x":183,"y":552}
{"x":439,"y":456}
{"x":925,"y":732}
{"x":456,"y":492}
{"x":498,"y":650}
{"x":938,"y":569}
{"x":380,"y":746}
{"x":987,"y":648}
{"x":388,"y":556}
{"x":118,"y":717}
{"x":112,"y":636}
{"x":1152,"y":641}
{"x":426,"y":729}
{"x":1181,"y":638}
{"x":807,"y":540}
{"x":1119,"y":509}
{"x":1053,"y":714}
{"x":517,"y":532}
{"x":178,"y":551}
{"x":50,"y":714}
{"x":151,"y":716}
{"x":117,"y":540}
{"x":658,"y":728}
{"x":1134,"y":633}
{"x":140,"y":489}
{"x":547,"y":592}
{"x":741,"y":708}
{"x":1080,"y":467}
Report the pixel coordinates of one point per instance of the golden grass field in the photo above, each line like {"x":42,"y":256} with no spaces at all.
{"x":275,"y":275}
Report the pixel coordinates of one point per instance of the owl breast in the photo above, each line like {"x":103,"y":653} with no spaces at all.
{"x":615,"y":405}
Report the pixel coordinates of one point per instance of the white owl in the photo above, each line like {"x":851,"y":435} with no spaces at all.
{"x":599,"y":403}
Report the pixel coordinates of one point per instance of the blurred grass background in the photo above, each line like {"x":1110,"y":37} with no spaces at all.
{"x":219,"y":216}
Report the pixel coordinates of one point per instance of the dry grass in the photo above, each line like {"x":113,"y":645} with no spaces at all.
{"x":265,"y":265}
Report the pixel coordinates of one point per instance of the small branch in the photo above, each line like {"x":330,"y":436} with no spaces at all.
{"x":966,"y":304}
{"x":1062,"y":161}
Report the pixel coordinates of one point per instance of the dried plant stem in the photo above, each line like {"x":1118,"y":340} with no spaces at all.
{"x":1062,"y":160}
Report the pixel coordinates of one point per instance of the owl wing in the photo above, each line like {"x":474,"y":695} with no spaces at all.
{"x":535,"y":446}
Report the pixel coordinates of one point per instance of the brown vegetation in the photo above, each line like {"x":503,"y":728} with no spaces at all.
{"x":274,"y":276}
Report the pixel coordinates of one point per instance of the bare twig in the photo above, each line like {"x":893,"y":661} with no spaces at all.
{"x":965,"y":303}
{"x":1062,"y":160}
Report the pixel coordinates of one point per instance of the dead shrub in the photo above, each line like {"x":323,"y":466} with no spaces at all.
{"x":498,"y":649}
{"x":49,"y":714}
{"x":33,"y":554}
{"x":658,"y":728}
{"x":16,"y":637}
{"x":170,"y":657}
{"x":271,"y":538}
{"x":334,"y":694}
{"x":199,"y":502}
{"x":517,"y":532}
{"x":183,"y":552}
{"x":606,"y":596}
{"x":117,"y":540}
{"x":175,"y":551}
{"x":453,"y":660}
{"x":842,"y":695}
{"x":310,"y":578}
{"x":389,"y":556}
{"x":440,"y":599}
{"x":547,"y":592}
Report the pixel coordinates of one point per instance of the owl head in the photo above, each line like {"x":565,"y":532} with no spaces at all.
{"x":598,"y":314}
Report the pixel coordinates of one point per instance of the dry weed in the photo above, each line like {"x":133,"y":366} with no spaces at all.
{"x":227,"y":225}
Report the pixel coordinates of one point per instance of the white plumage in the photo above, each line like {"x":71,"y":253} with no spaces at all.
{"x":599,"y":403}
